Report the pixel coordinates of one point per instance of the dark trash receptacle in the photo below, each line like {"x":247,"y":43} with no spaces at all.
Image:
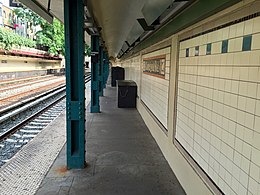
{"x":117,"y":73}
{"x":126,"y":93}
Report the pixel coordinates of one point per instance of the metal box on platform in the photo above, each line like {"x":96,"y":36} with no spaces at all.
{"x":126,"y":93}
{"x":117,"y":73}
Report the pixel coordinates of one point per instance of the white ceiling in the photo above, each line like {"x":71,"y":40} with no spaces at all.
{"x":117,"y":18}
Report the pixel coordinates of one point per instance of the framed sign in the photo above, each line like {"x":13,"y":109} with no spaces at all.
{"x":155,"y":66}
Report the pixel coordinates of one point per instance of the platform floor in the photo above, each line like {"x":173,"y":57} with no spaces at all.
{"x":122,"y":157}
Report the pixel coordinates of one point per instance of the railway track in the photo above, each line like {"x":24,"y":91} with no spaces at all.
{"x":26,"y":92}
{"x":15,"y":86}
{"x":13,"y":81}
{"x":20,"y":93}
{"x":22,"y":122}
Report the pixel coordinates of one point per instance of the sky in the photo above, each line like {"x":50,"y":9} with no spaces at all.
{"x":5,"y":2}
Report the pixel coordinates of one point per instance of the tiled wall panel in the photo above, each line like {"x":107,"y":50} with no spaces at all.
{"x":154,"y":90}
{"x":218,"y":106}
{"x":132,"y":70}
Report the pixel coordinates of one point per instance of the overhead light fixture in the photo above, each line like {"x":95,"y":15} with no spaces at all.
{"x":39,"y":9}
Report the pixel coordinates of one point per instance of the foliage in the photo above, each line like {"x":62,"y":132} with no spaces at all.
{"x":87,"y":50}
{"x":8,"y":39}
{"x":26,"y":15}
{"x":52,"y":36}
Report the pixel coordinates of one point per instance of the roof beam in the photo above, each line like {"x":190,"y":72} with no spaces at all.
{"x":39,"y":9}
{"x":196,"y":12}
{"x":144,"y":25}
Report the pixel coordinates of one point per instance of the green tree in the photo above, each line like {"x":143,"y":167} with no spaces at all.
{"x":9,"y":39}
{"x":26,"y":15}
{"x":87,"y":50}
{"x":51,"y":35}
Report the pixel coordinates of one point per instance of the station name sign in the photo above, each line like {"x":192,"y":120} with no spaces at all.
{"x":155,"y":66}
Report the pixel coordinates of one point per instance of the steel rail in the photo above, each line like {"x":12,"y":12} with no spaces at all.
{"x":13,"y":86}
{"x":21,"y":80}
{"x":13,"y":129}
{"x":27,"y":106}
{"x":26,"y":92}
{"x":27,"y":101}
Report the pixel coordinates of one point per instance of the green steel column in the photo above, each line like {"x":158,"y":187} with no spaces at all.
{"x":108,"y":67}
{"x":105,"y":70}
{"x":95,"y":107}
{"x":75,"y":85}
{"x":101,"y":71}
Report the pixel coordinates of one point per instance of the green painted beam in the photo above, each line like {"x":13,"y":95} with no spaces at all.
{"x":39,"y":9}
{"x":101,"y":72}
{"x":196,"y":12}
{"x":94,"y":104}
{"x":106,"y":68}
{"x":75,"y":84}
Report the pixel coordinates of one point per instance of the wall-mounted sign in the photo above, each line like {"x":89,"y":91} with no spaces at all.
{"x":155,"y":66}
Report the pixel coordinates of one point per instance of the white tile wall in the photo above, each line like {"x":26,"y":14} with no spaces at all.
{"x":218,"y":107}
{"x":154,"y":90}
{"x":132,"y":71}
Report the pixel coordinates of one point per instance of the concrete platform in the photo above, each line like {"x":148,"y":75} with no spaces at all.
{"x":122,"y":158}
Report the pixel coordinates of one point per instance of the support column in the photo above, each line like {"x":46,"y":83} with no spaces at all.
{"x":107,"y":67}
{"x":105,"y":70}
{"x":101,"y":71}
{"x":95,"y":107}
{"x":75,"y":85}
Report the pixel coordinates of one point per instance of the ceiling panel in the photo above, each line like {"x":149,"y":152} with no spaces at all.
{"x":154,"y":8}
{"x":57,"y":9}
{"x":124,"y":47}
{"x":117,"y":18}
{"x":134,"y":33}
{"x":43,"y":2}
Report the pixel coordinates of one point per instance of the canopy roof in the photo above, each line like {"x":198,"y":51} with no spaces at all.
{"x":123,"y":24}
